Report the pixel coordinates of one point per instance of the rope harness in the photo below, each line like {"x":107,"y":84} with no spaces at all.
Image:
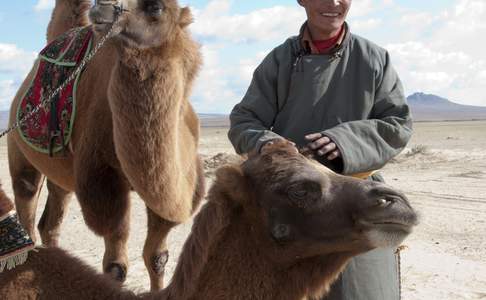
{"x":399,"y":262}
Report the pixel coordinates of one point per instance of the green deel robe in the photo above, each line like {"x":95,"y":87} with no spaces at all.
{"x":352,"y":95}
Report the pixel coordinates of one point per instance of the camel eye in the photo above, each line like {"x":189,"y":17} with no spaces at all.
{"x":304,"y":194}
{"x":153,"y":8}
{"x":297,"y":192}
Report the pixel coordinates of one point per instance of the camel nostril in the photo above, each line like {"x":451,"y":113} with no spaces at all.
{"x":384,"y":194}
{"x":280,"y":232}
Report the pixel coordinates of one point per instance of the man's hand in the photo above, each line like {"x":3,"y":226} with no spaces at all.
{"x":322,"y":145}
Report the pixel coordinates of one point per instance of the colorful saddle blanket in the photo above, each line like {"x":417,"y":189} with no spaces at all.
{"x":15,"y":243}
{"x":49,"y":130}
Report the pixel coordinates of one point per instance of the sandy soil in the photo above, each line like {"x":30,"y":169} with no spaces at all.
{"x":443,"y":171}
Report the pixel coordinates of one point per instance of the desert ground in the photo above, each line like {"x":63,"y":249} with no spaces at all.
{"x":443,"y":171}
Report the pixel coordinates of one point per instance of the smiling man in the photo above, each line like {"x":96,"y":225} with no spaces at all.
{"x":336,"y":94}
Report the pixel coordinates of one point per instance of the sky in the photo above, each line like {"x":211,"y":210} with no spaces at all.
{"x":436,"y":46}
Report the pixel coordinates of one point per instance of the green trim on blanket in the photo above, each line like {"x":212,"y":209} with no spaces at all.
{"x":57,"y":62}
{"x":75,"y":91}
{"x":17,"y":117}
{"x":73,"y":112}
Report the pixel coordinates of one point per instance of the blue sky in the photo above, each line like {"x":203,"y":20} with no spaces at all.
{"x":434,"y":44}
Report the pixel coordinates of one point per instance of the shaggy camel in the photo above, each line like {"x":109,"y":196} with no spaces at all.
{"x":134,"y":129}
{"x":278,"y":226}
{"x":6,"y":204}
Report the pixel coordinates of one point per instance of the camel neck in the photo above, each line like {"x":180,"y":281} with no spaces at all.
{"x":155,"y":131}
{"x":148,"y":109}
{"x":238,"y":266}
{"x":145,"y":105}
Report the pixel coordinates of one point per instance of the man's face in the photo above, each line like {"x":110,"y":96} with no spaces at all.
{"x":325,"y":17}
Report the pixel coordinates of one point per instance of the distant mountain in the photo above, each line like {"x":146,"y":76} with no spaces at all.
{"x":427,"y":107}
{"x":207,"y":120}
{"x":214,"y":120}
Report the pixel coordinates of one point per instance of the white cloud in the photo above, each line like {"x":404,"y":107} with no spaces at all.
{"x":366,"y":24}
{"x":447,"y":54}
{"x":246,"y":67}
{"x":220,"y":86}
{"x":464,"y":28}
{"x":275,"y":23}
{"x":417,"y":18}
{"x":360,"y":8}
{"x":436,"y":52}
{"x":213,"y":92}
{"x":44,"y":5}
{"x":423,"y":67}
{"x":8,"y":88}
{"x":15,"y":63}
{"x":14,"y":60}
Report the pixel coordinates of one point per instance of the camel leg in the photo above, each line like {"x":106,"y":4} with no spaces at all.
{"x":50,"y":222}
{"x":104,"y":198}
{"x":115,"y":259}
{"x":26,"y":182}
{"x":155,"y":253}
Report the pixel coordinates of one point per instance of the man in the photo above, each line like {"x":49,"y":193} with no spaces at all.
{"x":336,"y":94}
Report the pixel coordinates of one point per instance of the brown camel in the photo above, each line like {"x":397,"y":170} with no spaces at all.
{"x":134,"y":129}
{"x":278,"y":226}
{"x":6,"y":204}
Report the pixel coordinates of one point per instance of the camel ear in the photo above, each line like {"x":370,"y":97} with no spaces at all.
{"x":185,"y":17}
{"x":232,"y":183}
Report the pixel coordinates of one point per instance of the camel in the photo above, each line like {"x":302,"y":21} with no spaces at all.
{"x":134,"y":129}
{"x":277,"y":226}
{"x":6,"y":204}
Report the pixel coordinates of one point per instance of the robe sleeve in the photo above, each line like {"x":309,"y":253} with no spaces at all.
{"x":252,"y":119}
{"x":367,"y":145}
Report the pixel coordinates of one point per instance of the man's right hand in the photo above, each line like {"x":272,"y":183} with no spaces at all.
{"x":323,"y":145}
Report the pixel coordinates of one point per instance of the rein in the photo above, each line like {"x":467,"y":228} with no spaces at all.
{"x":47,"y":101}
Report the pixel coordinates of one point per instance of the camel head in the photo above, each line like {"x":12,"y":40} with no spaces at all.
{"x":143,"y":24}
{"x":303,"y":209}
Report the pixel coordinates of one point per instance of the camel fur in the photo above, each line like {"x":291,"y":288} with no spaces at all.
{"x":6,"y":204}
{"x":134,"y":130}
{"x":237,"y":248}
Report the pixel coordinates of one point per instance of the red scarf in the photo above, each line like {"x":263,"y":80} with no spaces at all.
{"x":324,"y":46}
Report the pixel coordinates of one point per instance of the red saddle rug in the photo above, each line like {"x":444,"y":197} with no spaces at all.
{"x":49,"y":130}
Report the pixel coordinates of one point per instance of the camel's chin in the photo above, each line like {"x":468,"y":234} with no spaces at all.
{"x":100,"y":28}
{"x":385,"y":238}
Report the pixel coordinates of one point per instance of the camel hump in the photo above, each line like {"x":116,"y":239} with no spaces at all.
{"x":67,"y":14}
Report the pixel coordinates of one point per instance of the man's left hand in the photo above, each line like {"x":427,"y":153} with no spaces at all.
{"x":323,"y":145}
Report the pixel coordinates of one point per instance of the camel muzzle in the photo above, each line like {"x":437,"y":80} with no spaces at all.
{"x":388,"y":210}
{"x":106,"y":12}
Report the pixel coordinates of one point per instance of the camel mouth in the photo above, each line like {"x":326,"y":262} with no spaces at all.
{"x":393,"y":226}
{"x":388,"y":233}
